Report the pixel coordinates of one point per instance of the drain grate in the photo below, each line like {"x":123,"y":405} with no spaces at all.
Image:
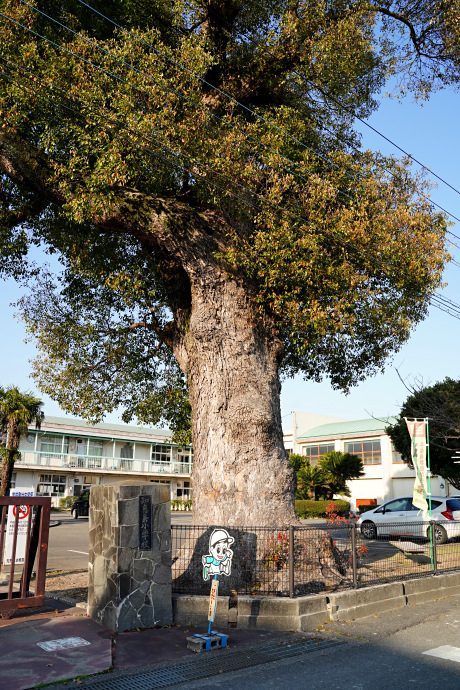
{"x":207,"y":665}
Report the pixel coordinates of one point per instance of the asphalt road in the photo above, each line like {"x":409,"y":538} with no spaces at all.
{"x":68,"y":542}
{"x":413,"y":647}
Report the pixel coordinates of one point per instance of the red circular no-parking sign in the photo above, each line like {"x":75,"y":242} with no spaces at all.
{"x":23,"y":511}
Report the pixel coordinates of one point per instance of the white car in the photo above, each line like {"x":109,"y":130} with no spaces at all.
{"x":400,"y":516}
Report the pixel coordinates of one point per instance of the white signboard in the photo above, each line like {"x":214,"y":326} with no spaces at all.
{"x":417,"y":432}
{"x":213,"y":600}
{"x":23,"y":521}
{"x":219,"y":559}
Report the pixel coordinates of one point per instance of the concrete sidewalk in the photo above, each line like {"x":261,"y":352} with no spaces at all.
{"x":82,"y":647}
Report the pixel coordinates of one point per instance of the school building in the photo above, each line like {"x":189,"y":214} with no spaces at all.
{"x":386,"y":476}
{"x":66,"y":455}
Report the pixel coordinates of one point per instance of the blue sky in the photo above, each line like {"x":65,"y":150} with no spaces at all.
{"x":430,"y":134}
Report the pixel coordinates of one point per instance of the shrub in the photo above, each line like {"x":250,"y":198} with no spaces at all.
{"x":66,"y":501}
{"x":180,"y":504}
{"x":317,"y":509}
{"x":277,"y":551}
{"x":367,"y":506}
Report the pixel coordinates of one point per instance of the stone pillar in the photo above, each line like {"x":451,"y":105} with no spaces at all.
{"x":130,"y":555}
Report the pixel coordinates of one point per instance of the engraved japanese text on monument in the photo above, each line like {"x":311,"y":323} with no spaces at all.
{"x":145,"y":523}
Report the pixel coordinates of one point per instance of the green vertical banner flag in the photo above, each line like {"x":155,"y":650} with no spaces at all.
{"x":417,"y":432}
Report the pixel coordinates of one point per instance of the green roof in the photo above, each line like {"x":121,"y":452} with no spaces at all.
{"x":358,"y":426}
{"x":124,"y":428}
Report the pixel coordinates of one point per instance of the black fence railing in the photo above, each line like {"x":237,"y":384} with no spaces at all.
{"x":309,"y":559}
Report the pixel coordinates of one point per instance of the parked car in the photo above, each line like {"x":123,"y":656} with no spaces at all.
{"x":80,"y":507}
{"x":400,"y":516}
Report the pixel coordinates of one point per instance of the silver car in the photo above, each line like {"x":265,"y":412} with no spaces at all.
{"x":400,"y":517}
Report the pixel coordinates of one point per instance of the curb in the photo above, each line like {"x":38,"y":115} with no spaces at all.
{"x":305,"y":613}
{"x":66,"y":600}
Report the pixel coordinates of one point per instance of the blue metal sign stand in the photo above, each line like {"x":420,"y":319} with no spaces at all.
{"x":218,"y":561}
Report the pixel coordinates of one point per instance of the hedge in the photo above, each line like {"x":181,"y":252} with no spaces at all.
{"x":317,"y":509}
{"x":181,"y":504}
{"x":367,"y":506}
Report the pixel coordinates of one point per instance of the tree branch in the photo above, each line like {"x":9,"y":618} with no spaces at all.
{"x":402,"y":18}
{"x":27,"y":165}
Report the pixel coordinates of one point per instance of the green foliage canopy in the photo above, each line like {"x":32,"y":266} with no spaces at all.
{"x":117,"y":148}
{"x":441,"y":404}
{"x":339,"y":468}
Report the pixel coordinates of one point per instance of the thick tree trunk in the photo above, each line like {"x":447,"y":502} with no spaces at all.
{"x":241,"y":474}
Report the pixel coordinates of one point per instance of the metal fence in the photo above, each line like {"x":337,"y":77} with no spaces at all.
{"x":24,"y":529}
{"x":299,"y":560}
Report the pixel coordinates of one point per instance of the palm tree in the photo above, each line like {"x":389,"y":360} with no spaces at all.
{"x":310,"y":482}
{"x":339,"y":468}
{"x":17,"y":411}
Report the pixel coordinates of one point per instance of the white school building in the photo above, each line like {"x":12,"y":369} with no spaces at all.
{"x":66,"y":455}
{"x":386,"y":476}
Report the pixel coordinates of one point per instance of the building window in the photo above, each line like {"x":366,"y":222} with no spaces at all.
{"x":88,"y":479}
{"x":314,"y":452}
{"x":396,"y":457}
{"x":126,"y":455}
{"x":369,"y":451}
{"x":13,"y":481}
{"x":184,"y":491}
{"x":184,"y":455}
{"x":95,"y":448}
{"x":54,"y":445}
{"x":161,"y":454}
{"x":51,"y":485}
{"x":161,"y":481}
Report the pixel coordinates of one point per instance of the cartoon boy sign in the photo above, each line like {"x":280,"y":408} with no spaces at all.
{"x":219,"y":559}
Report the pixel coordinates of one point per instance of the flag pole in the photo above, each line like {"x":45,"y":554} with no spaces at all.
{"x":428,"y":467}
{"x":420,"y":451}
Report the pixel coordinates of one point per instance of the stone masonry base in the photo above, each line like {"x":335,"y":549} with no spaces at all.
{"x":306,"y":613}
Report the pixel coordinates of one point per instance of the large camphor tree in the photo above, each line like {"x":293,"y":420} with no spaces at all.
{"x":195,"y":167}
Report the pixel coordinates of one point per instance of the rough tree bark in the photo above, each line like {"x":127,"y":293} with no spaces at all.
{"x":7,"y":472}
{"x":236,"y":421}
{"x":230,"y":356}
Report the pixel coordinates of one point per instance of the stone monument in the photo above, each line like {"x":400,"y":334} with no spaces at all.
{"x":130,"y":555}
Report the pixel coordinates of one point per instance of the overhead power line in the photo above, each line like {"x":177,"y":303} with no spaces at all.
{"x":437,"y":301}
{"x":328,"y":96}
{"x":129,"y":65}
{"x":163,"y":87}
{"x":186,"y":98}
{"x":442,"y":306}
{"x":318,"y":88}
{"x":226,"y":95}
